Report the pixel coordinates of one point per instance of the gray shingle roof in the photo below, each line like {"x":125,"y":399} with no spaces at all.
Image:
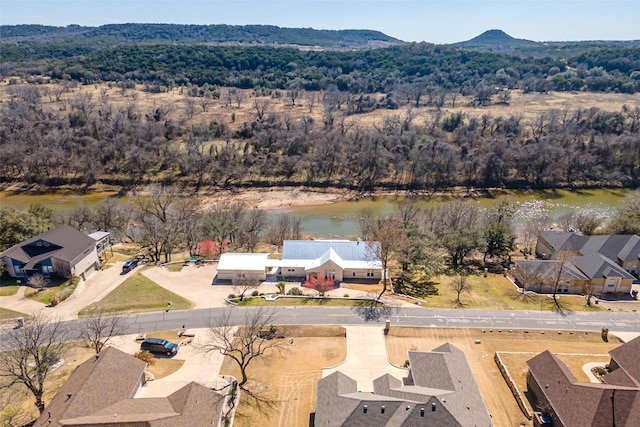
{"x":102,"y":391}
{"x":617,"y":247}
{"x":548,"y":269}
{"x":440,"y":391}
{"x":64,"y":242}
{"x":598,"y":267}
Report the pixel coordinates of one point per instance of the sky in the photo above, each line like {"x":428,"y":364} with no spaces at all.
{"x":434,"y":21}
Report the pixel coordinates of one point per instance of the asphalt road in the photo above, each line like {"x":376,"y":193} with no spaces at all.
{"x":410,"y":316}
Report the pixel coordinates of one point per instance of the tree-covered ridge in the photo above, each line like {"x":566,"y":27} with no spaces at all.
{"x":115,"y":34}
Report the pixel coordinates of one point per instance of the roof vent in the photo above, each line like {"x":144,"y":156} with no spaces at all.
{"x":407,"y":408}
{"x":382,"y":409}
{"x":69,"y":396}
{"x":422,"y":412}
{"x":365,"y":409}
{"x":433,"y":406}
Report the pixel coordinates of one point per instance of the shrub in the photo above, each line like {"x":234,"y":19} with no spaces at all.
{"x":346,"y":295}
{"x":54,"y":300}
{"x":294,"y":291}
{"x":255,"y":293}
{"x":145,"y":356}
{"x":406,"y":363}
{"x":231,"y":296}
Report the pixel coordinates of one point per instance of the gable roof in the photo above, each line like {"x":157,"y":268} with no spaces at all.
{"x":95,"y":384}
{"x":583,"y":404}
{"x":617,"y":247}
{"x":548,"y":269}
{"x":66,"y":244}
{"x":598,"y":267}
{"x":101,"y":392}
{"x":626,"y":356}
{"x":440,"y":390}
{"x":313,"y":249}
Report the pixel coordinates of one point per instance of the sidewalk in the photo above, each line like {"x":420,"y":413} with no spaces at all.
{"x":19,"y":303}
{"x":366,"y":357}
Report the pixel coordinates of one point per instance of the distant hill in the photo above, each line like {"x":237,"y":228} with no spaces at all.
{"x":494,"y":39}
{"x":117,"y":34}
{"x":497,"y":41}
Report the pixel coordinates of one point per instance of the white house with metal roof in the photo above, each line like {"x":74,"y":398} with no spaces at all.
{"x":337,"y":259}
{"x":301,"y":259}
{"x":242,"y":265}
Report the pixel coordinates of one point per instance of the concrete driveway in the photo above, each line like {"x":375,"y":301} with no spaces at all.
{"x":96,"y":287}
{"x":200,"y":367}
{"x":366,"y":357}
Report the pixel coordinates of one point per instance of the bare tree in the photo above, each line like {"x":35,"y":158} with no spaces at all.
{"x":262,"y":107}
{"x":238,"y":96}
{"x":204,"y":101}
{"x":190,"y":108}
{"x":254,"y":339}
{"x":99,"y":330}
{"x":242,"y":285}
{"x":460,"y":285}
{"x":37,"y":281}
{"x":388,"y":237}
{"x":30,"y":353}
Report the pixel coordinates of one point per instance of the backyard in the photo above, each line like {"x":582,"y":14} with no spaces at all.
{"x":286,"y":383}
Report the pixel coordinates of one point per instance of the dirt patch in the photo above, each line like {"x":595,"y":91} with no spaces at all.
{"x":517,"y":367}
{"x":287,"y":381}
{"x":497,"y":396}
{"x":311,"y":331}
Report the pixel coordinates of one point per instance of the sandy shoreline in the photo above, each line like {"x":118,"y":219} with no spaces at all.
{"x":278,"y":198}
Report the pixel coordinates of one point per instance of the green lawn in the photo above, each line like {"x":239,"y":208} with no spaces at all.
{"x":9,"y":314}
{"x":55,"y":286}
{"x":496,"y":292}
{"x":309,"y":302}
{"x":138,"y":294}
{"x":176,"y":268}
{"x":8,"y":290}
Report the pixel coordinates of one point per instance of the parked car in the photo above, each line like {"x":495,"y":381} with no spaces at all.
{"x":157,"y":345}
{"x":129,"y":265}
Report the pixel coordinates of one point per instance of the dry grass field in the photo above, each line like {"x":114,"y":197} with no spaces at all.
{"x":287,"y":381}
{"x":496,"y":394}
{"x":527,"y":105}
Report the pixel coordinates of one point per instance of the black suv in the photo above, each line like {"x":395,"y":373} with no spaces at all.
{"x":157,"y":345}
{"x":129,"y":265}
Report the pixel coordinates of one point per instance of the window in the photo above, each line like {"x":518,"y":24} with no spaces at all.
{"x":611,"y":283}
{"x":563,"y":287}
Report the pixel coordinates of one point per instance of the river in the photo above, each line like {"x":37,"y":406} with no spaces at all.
{"x":339,"y":220}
